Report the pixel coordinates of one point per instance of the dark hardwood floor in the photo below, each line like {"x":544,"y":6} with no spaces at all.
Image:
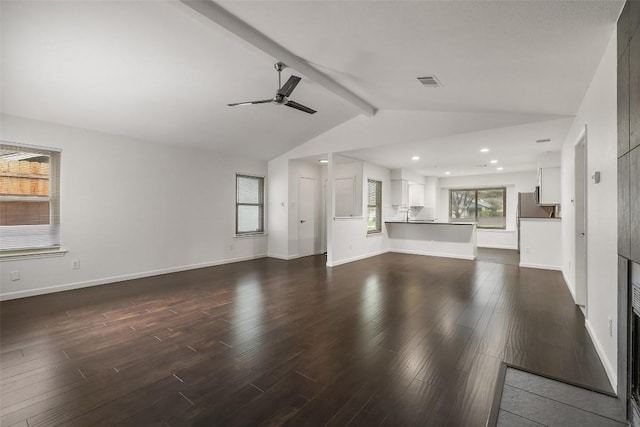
{"x":390,"y":340}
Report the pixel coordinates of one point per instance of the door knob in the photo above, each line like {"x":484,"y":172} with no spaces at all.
{"x":302,"y":220}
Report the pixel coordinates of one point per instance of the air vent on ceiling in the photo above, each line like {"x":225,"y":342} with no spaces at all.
{"x":430,"y":81}
{"x":542,"y":141}
{"x":481,"y":166}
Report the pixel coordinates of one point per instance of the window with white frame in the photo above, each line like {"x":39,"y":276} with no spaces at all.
{"x":486,"y":206}
{"x":249,"y":204}
{"x":374,"y":206}
{"x":29,"y":198}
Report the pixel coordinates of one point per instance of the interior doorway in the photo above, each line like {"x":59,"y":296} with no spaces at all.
{"x":306,"y":216}
{"x":580,"y":206}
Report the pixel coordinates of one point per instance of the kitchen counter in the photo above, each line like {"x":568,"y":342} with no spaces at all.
{"x":448,"y":239}
{"x":417,"y":221}
{"x":540,"y":218}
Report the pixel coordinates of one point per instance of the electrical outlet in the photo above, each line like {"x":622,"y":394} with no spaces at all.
{"x":75,"y":264}
{"x":527,"y":250}
{"x":231,"y":247}
{"x":610,"y":326}
{"x":15,"y":275}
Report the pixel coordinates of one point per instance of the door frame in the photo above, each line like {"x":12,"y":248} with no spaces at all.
{"x":314,"y":211}
{"x":581,"y":236}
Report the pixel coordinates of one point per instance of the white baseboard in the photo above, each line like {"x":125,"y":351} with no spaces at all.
{"x":280,"y":256}
{"x":114,"y":279}
{"x":541,"y":266}
{"x":568,"y":283}
{"x":513,"y":248}
{"x":436,"y":254}
{"x":356,"y":258}
{"x":611,"y":373}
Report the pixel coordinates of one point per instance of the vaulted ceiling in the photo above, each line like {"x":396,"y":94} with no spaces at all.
{"x":162,"y":72}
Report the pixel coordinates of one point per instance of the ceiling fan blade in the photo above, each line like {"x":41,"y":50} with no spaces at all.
{"x":300,"y":107}
{"x":289,"y":86}
{"x":264,"y":101}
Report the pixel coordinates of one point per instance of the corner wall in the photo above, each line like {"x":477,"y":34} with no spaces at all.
{"x":350,"y":241}
{"x":598,"y":113}
{"x":132,"y":209}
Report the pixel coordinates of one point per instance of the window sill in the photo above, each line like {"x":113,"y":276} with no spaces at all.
{"x":245,"y":235}
{"x":377,"y":234}
{"x":24,"y":255}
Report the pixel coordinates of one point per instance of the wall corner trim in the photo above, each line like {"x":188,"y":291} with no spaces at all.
{"x":611,"y":372}
{"x":569,"y":285}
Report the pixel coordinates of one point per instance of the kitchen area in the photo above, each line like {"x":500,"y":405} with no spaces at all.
{"x":539,"y":219}
{"x":421,"y":221}
{"x":412,"y":226}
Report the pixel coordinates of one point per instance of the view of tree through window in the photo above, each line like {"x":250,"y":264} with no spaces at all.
{"x":486,"y":206}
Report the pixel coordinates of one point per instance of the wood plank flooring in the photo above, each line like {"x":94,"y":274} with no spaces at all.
{"x":390,"y":340}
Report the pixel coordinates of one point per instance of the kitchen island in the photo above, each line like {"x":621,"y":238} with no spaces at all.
{"x":433,"y":238}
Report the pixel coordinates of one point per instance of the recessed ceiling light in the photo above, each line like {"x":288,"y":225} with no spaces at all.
{"x":447,"y":173}
{"x":324,"y":161}
{"x":493,"y":162}
{"x":484,"y":150}
{"x":415,"y":158}
{"x":500,"y":168}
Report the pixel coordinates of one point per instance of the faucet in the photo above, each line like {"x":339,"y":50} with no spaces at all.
{"x":408,"y":214}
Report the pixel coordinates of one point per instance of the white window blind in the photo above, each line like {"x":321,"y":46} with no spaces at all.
{"x":249,"y":204}
{"x":29,"y":197}
{"x":374,"y":206}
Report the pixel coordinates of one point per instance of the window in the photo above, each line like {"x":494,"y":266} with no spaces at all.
{"x":486,"y":206}
{"x":249,"y":204}
{"x":374,"y":207}
{"x":29,"y":198}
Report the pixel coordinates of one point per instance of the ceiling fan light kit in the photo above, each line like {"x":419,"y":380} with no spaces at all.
{"x":283,"y":93}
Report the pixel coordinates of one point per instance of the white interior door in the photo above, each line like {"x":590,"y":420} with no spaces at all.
{"x":306,"y":216}
{"x":580,"y":205}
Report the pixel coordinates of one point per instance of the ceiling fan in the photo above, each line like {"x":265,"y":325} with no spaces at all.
{"x":283,"y":93}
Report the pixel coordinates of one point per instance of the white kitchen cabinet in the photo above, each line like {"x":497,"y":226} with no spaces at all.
{"x":399,"y":192}
{"x":549,"y":183}
{"x":416,"y":195}
{"x":541,"y":243}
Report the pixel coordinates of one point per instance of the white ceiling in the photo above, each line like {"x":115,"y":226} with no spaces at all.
{"x":151,"y":70}
{"x":159,"y":71}
{"x":515,"y":148}
{"x":511,"y":56}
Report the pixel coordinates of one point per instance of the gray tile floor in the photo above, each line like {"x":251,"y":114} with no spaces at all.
{"x":532,"y":400}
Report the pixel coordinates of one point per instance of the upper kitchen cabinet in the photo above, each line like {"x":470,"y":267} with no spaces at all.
{"x":549,"y":186}
{"x":416,"y":195}
{"x":399,"y":192}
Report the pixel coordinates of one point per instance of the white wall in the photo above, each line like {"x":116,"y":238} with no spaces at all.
{"x":278,"y":208}
{"x":598,"y":112}
{"x":131,"y":209}
{"x":350,"y":241}
{"x":517,"y":182}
